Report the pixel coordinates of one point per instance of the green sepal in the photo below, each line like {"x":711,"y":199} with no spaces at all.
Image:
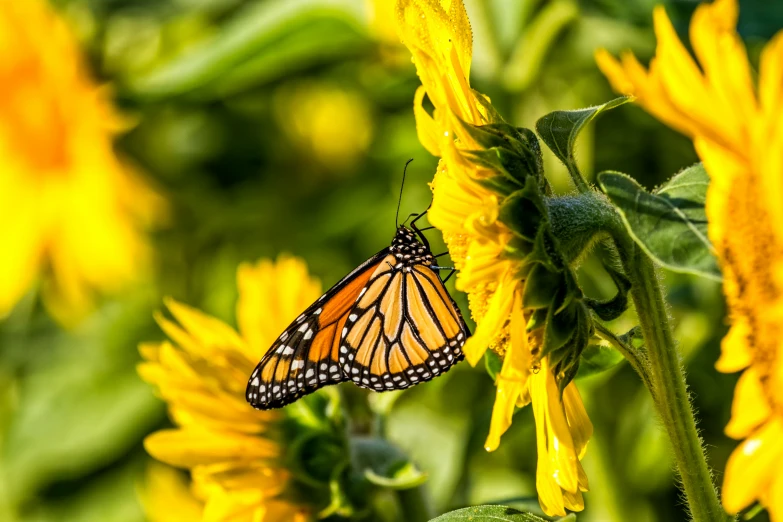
{"x":493,"y":363}
{"x":491,"y":135}
{"x":519,"y":247}
{"x":521,"y":215}
{"x":406,"y":476}
{"x":383,"y":464}
{"x":560,"y":326}
{"x":559,"y":130}
{"x":567,"y":367}
{"x":540,"y":285}
{"x":670,"y":224}
{"x":313,"y":456}
{"x":613,"y":308}
{"x":537,"y":319}
{"x":544,"y":251}
{"x":491,"y":112}
{"x":534,"y":147}
{"x":565,"y":376}
{"x":339,"y":503}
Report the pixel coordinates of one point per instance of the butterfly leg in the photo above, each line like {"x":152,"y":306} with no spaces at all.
{"x":451,"y":268}
{"x":419,"y":216}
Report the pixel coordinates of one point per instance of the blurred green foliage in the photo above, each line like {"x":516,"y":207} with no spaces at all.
{"x":283,"y":127}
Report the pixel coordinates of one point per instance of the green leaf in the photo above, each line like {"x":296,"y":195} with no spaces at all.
{"x":670,"y":225}
{"x":598,"y":358}
{"x":80,"y":405}
{"x":488,"y":514}
{"x":260,"y":43}
{"x":559,"y":130}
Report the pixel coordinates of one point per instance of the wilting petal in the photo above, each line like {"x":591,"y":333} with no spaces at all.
{"x":578,"y":422}
{"x":513,"y":377}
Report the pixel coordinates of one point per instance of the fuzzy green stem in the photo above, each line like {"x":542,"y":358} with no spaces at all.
{"x":637,"y":360}
{"x":671,"y":394}
{"x":415,"y":504}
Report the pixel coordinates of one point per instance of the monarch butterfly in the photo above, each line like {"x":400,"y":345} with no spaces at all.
{"x":387,"y":325}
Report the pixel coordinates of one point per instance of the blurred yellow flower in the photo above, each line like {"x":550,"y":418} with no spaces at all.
{"x":72,"y":212}
{"x":234,"y":452}
{"x":167,"y":496}
{"x":331,"y":124}
{"x":439,"y":37}
{"x":737,"y":130}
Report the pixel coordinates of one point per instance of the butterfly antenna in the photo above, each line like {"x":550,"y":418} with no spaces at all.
{"x":399,"y":201}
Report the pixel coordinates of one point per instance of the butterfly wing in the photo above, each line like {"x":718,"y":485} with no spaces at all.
{"x":304,"y":357}
{"x":403,"y":330}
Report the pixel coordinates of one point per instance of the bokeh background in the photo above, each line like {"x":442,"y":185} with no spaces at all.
{"x":273,"y":127}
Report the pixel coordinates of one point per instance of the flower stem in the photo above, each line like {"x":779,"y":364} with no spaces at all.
{"x":416,"y":507}
{"x":671,"y":394}
{"x":638,"y":361}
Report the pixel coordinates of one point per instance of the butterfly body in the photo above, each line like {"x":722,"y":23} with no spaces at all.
{"x":387,"y":325}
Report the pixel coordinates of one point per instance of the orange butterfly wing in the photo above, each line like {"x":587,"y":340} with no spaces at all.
{"x":403,"y":330}
{"x":387,"y":325}
{"x":305,"y":356}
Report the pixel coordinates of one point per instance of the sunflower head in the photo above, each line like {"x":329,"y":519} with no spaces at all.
{"x":279,"y":465}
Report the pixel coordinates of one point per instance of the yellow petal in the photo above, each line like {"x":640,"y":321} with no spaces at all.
{"x":550,"y":495}
{"x":207,"y":330}
{"x":189,"y":448}
{"x":430,"y":134}
{"x":614,"y":72}
{"x":735,"y":352}
{"x":752,"y":466}
{"x":271,"y":296}
{"x":562,"y":453}
{"x":244,"y":475}
{"x":512,"y":379}
{"x":771,"y":100}
{"x":497,"y":314}
{"x":749,"y":408}
{"x":773,"y":500}
{"x":578,"y":421}
{"x":439,"y":37}
{"x":166,"y":496}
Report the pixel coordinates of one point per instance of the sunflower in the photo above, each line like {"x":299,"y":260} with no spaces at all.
{"x":467,"y":211}
{"x":235,"y":454}
{"x":737,"y":131}
{"x":73,"y":212}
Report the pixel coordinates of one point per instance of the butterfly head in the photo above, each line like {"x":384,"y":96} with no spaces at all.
{"x":408,"y":250}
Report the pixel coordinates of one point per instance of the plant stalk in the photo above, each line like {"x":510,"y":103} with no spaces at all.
{"x":415,"y":504}
{"x":671,"y":394}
